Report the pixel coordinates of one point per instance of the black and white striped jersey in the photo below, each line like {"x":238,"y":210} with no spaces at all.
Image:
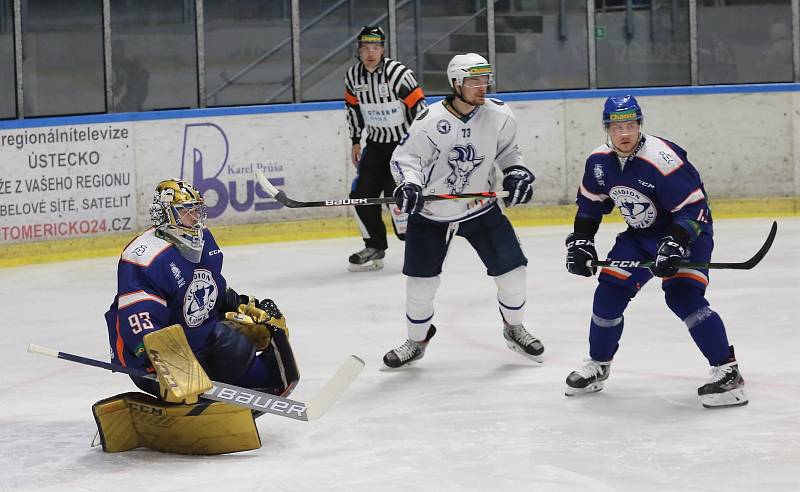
{"x":384,"y":102}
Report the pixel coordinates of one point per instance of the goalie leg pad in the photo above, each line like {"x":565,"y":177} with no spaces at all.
{"x":132,"y":420}
{"x":181,"y":378}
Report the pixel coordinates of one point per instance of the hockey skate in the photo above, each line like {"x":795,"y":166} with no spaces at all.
{"x":408,"y":353}
{"x":366,"y":260}
{"x":519,"y":340}
{"x":589,"y":378}
{"x":725,"y":388}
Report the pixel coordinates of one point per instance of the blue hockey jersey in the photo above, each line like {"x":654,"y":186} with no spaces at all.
{"x":655,"y":188}
{"x":157,"y":287}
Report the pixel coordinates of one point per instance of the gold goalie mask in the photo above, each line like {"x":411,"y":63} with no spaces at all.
{"x":179,"y":213}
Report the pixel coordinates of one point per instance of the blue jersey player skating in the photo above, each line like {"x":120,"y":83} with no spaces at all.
{"x":172,"y":274}
{"x":662,"y":199}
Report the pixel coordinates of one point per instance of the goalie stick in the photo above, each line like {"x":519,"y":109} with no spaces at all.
{"x":280,"y":196}
{"x":744,"y":265}
{"x":246,"y":397}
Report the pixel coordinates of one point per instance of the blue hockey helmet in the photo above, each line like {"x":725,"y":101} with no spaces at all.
{"x":621,"y":108}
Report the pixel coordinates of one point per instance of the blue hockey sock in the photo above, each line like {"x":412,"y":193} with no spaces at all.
{"x":605,"y":330}
{"x":709,"y":335}
{"x":705,"y":325}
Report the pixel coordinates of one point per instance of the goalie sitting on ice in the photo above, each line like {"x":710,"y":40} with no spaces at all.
{"x":175,"y":315}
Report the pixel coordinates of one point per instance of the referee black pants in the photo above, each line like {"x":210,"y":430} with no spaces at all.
{"x":372,"y":179}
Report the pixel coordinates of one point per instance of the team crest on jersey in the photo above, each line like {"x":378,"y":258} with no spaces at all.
{"x":598,"y":174}
{"x":637,"y":209}
{"x":443,"y":126}
{"x":200,"y":299}
{"x":463,"y":161}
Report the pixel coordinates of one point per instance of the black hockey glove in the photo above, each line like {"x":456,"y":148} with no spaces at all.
{"x":409,"y":198}
{"x":671,"y":250}
{"x":518,"y":182}
{"x":580,"y":251}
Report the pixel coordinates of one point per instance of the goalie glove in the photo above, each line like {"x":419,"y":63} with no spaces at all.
{"x":257,"y":320}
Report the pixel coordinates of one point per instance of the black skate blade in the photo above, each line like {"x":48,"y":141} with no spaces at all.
{"x":729,"y":405}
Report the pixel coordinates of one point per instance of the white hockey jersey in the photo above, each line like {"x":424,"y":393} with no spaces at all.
{"x":446,"y":152}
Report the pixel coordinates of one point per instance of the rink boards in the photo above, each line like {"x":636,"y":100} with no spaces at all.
{"x":80,"y":186}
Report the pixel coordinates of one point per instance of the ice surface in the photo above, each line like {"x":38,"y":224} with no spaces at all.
{"x":472,"y":415}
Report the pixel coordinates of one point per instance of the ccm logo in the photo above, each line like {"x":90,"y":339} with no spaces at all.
{"x":214,"y":252}
{"x":346,"y":201}
{"x":624,"y":263}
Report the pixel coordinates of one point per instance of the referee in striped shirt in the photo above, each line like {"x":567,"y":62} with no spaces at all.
{"x":382,"y":98}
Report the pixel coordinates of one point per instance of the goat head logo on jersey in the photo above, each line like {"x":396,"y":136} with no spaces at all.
{"x":463,"y":161}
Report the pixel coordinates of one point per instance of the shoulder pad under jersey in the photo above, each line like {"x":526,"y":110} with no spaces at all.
{"x":145,"y":248}
{"x":603,"y":149}
{"x":657,"y":153}
{"x":423,"y":114}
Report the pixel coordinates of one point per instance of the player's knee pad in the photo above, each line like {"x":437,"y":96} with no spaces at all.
{"x":512,"y":285}
{"x":228,"y":355}
{"x":420,"y":292}
{"x":282,"y":371}
{"x":610,"y":300}
{"x":685,"y":299}
{"x":421,"y":289}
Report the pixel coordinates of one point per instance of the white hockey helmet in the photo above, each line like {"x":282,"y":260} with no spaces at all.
{"x":466,"y":66}
{"x":178,"y":213}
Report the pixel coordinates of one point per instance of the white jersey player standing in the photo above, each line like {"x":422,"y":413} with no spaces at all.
{"x":455,"y":146}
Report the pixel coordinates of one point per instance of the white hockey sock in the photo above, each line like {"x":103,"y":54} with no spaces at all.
{"x":511,"y":293}
{"x":419,"y":305}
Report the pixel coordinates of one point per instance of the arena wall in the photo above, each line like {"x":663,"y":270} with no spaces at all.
{"x":81,"y":186}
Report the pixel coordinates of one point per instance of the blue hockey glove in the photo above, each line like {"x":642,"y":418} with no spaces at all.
{"x":409,"y":198}
{"x":580,"y":250}
{"x":518,"y":182}
{"x":671,"y":250}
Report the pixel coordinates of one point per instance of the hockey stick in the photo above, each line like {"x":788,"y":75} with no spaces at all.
{"x":246,"y":397}
{"x":744,"y":265}
{"x":280,"y":196}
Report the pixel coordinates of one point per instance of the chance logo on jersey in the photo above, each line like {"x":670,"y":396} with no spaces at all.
{"x":637,"y":209}
{"x":463,"y":161}
{"x":200,"y":299}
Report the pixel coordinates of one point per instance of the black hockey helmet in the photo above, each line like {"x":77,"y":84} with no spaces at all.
{"x":371,"y":34}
